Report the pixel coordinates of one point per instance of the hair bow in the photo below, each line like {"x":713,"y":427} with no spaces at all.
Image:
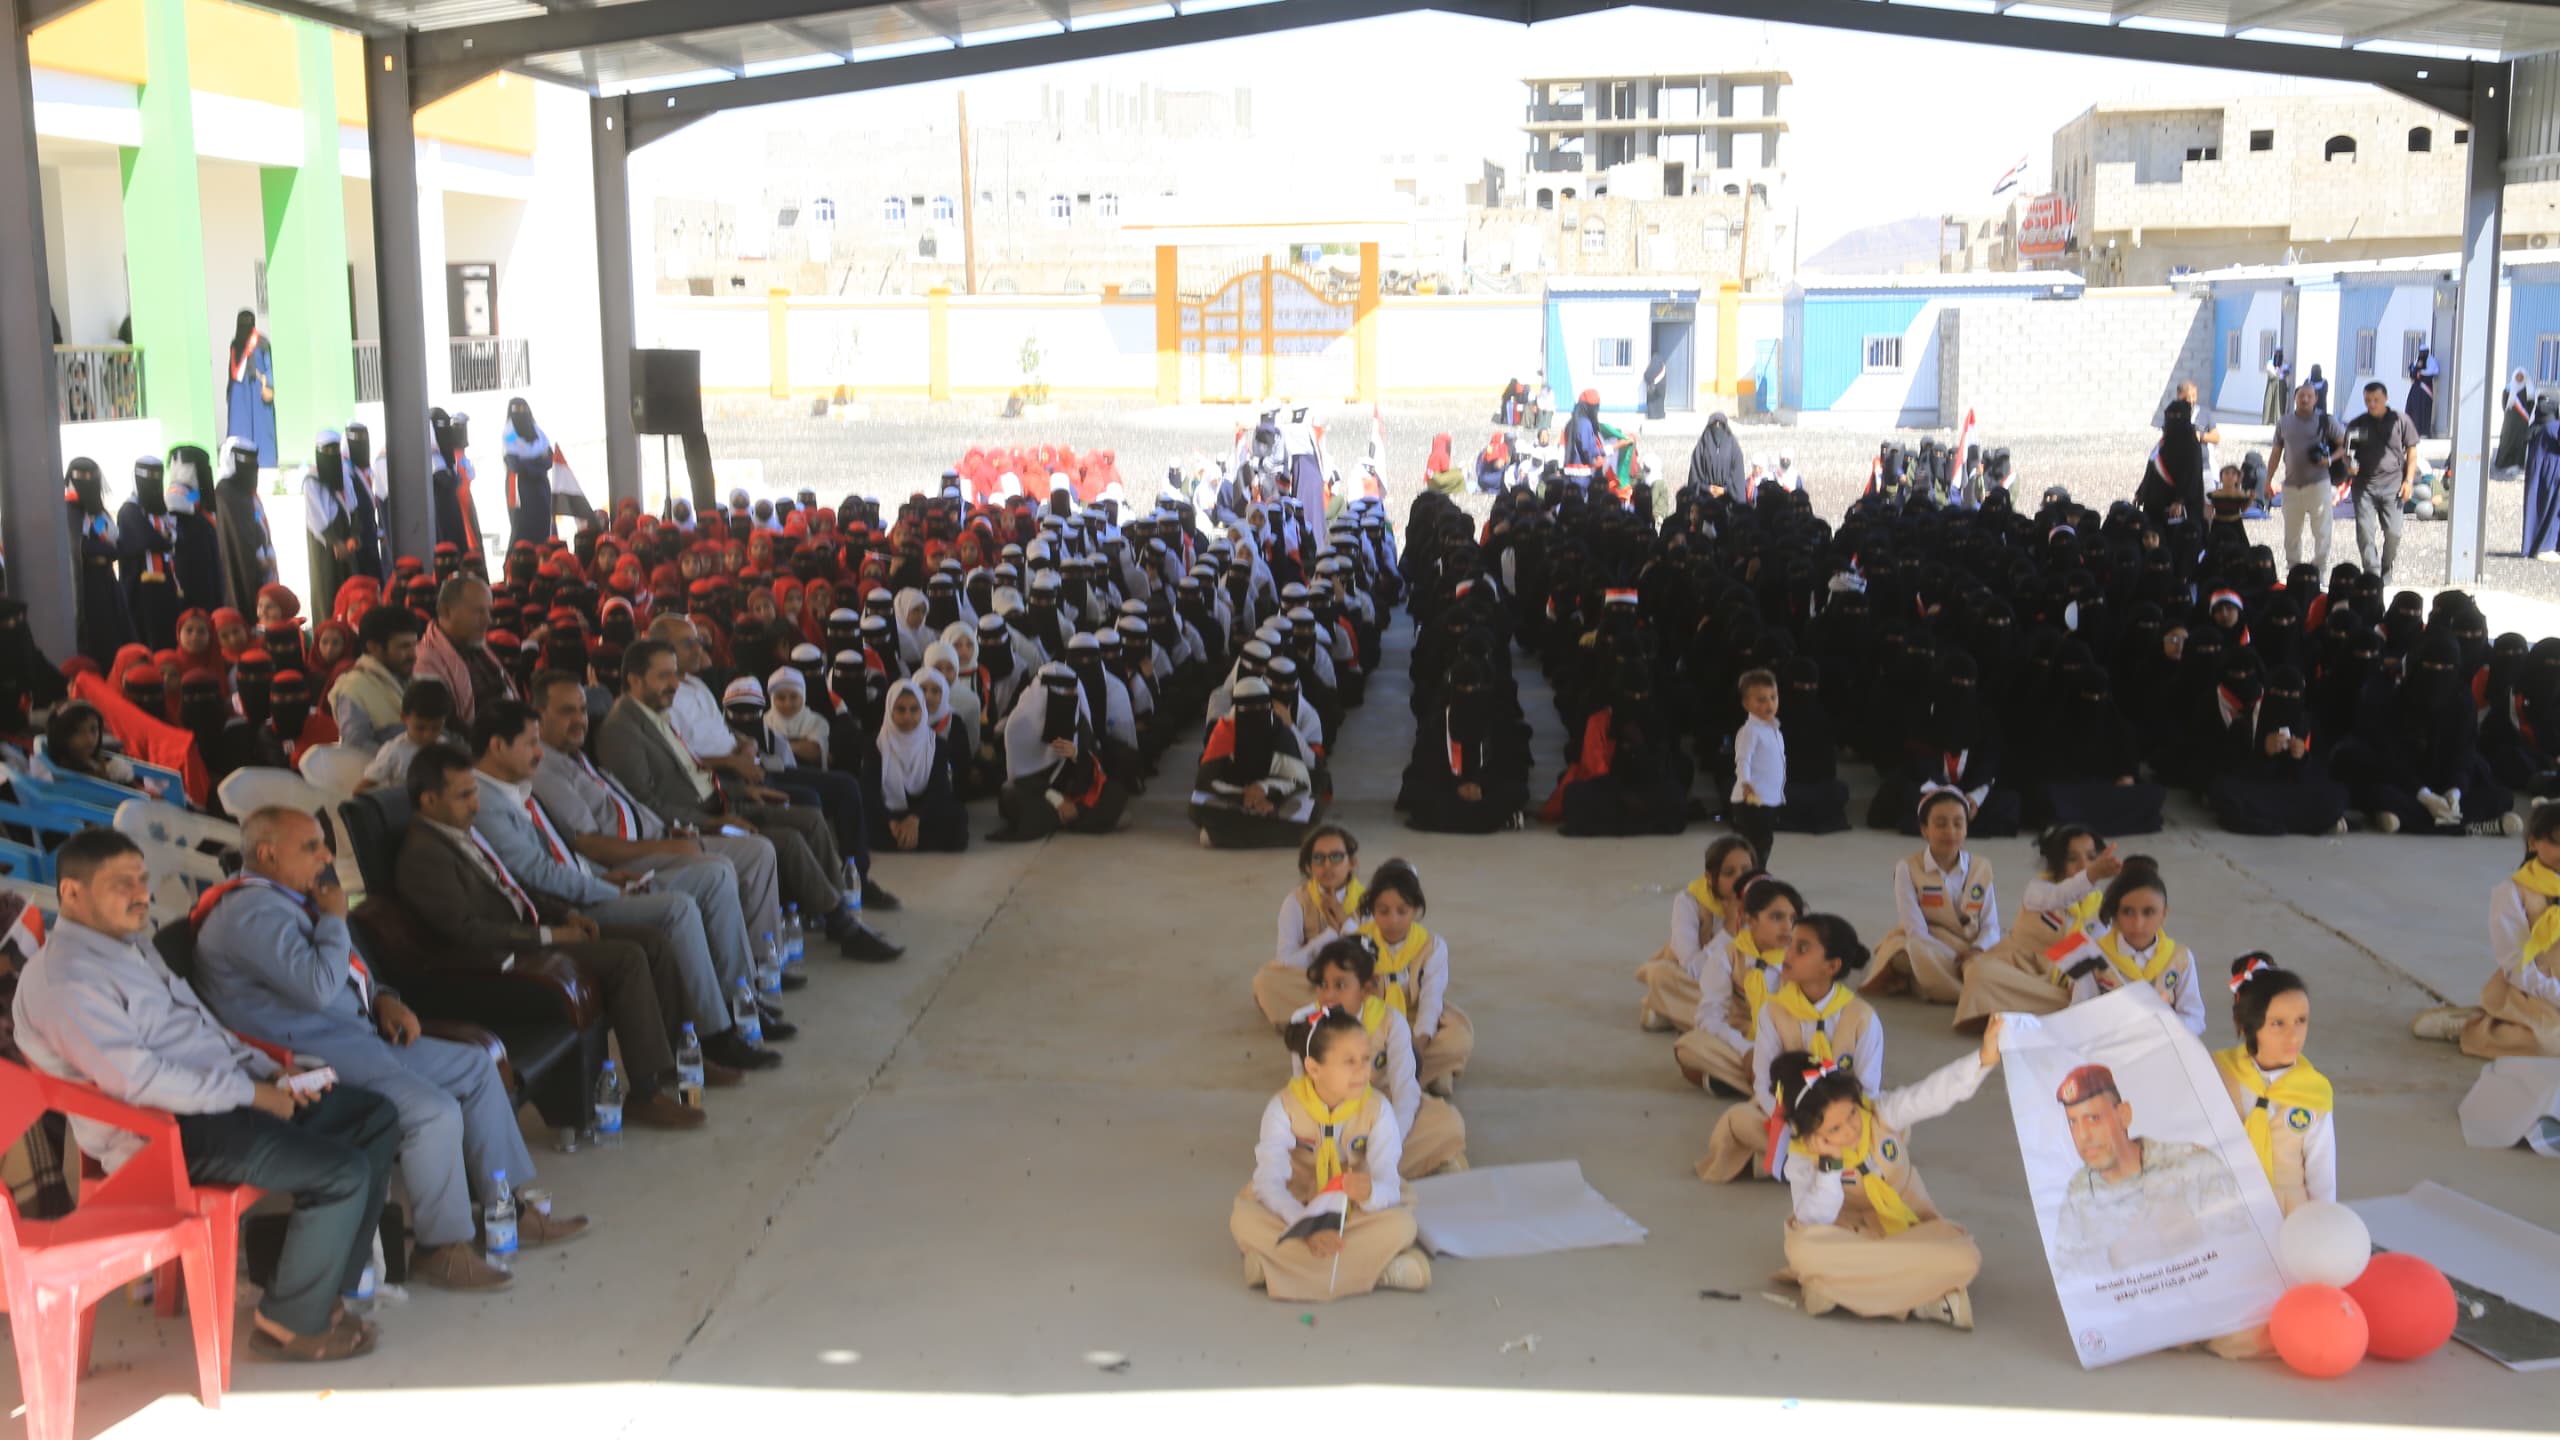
{"x":1932,"y":787}
{"x":2257,"y":962}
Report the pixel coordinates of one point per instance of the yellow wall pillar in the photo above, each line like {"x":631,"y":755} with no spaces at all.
{"x":937,"y":310}
{"x":1728,"y":340}
{"x":777,"y":327}
{"x":1364,"y":322}
{"x":1168,"y":325}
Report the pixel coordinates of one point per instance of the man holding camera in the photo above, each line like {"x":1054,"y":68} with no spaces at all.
{"x":2308,"y":441}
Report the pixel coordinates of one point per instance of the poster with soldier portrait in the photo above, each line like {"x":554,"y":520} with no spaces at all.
{"x":2158,"y":1223}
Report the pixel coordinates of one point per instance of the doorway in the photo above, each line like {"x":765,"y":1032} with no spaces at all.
{"x":1671,"y":338}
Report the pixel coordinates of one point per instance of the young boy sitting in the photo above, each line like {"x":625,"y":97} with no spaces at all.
{"x":425,"y":711}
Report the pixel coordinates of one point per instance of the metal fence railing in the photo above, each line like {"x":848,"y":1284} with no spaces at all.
{"x":98,"y":382}
{"x":491,"y":362}
{"x":368,"y":372}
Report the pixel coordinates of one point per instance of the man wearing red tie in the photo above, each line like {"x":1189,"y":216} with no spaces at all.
{"x":274,"y":961}
{"x":458,"y":886}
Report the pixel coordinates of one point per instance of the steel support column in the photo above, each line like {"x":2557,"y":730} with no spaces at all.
{"x":391,"y":138}
{"x":2476,"y":372}
{"x":31,"y":515}
{"x":609,"y":136}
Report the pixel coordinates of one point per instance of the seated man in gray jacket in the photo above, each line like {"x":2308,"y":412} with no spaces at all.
{"x":507,"y":746}
{"x":277,"y":964}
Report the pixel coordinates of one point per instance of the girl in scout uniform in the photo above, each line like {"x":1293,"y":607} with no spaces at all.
{"x":1413,"y":974}
{"x":1944,"y":908}
{"x":1862,"y":1235}
{"x":1814,"y":1011}
{"x":2286,"y":1106}
{"x":2519,"y":1010}
{"x":1329,"y":1146}
{"x":2060,"y":902}
{"x":2133,"y":948}
{"x":1698,"y":915}
{"x":1324,"y":908}
{"x":1743,"y":967}
{"x":1345,"y":977}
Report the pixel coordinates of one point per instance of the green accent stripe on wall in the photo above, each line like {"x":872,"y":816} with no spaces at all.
{"x":164,"y":243}
{"x":309,"y":323}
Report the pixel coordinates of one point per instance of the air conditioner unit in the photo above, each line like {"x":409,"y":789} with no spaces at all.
{"x":2537,"y":242}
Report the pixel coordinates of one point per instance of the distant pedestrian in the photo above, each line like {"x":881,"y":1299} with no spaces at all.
{"x":2308,"y":444}
{"x":250,"y":394}
{"x":2422,"y":392}
{"x":2379,"y":446}
{"x":2542,"y":482}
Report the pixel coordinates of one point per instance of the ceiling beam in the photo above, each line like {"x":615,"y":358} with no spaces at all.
{"x":348,"y":20}
{"x":2407,"y":25}
{"x":443,"y":61}
{"x":1058,"y":10}
{"x":2130,"y":9}
{"x":818,"y":43}
{"x":947,"y":29}
{"x":707,"y":59}
{"x":2276,"y":15}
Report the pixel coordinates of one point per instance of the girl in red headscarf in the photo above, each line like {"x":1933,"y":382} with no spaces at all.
{"x":231,"y":632}
{"x":761,"y":607}
{"x":790,"y":601}
{"x":197,"y":647}
{"x":333,"y":650}
{"x":820,"y":602}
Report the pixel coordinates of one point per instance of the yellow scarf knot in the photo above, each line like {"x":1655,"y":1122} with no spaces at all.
{"x":2299,"y":1088}
{"x":1791,"y":999}
{"x":1395,"y":960}
{"x":1329,"y":1122}
{"x":2536,"y":878}
{"x":1891,"y":1209}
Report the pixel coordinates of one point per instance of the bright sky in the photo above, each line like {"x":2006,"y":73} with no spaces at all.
{"x":1882,"y":128}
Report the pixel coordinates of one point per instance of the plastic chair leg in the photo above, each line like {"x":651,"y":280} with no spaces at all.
{"x":164,"y":1291}
{"x":52,"y":1351}
{"x":210,"y":1321}
{"x":226,"y":1286}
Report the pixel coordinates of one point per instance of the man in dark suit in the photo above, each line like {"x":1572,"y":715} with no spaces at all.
{"x":455,"y":882}
{"x":639,"y":745}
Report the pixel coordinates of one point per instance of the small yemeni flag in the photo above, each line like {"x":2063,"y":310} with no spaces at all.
{"x":2010,"y":178}
{"x":2071,"y":949}
{"x":22,"y":936}
{"x":1964,"y":436}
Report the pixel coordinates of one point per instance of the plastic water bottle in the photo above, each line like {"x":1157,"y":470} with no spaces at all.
{"x":795,"y":939}
{"x":769,"y":962}
{"x":689,"y":1068}
{"x":609,"y":1106}
{"x":744,"y":1015}
{"x":499,"y":1223}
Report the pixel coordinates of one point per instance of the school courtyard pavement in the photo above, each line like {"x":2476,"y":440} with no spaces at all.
{"x":989,"y":1172}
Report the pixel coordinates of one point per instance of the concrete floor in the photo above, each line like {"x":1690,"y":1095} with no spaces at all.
{"x":1018,"y":1147}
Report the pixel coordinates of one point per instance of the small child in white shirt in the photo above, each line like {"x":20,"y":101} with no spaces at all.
{"x":424,"y":712}
{"x":1759,"y":763}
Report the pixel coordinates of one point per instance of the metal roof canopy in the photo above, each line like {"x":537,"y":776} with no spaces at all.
{"x":680,"y":60}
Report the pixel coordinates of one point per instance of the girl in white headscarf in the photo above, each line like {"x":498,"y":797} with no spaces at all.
{"x":918,"y":809}
{"x":958,"y":695}
{"x":913,"y":632}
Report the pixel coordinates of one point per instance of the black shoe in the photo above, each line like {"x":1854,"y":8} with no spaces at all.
{"x":727,"y":1049}
{"x":861,"y":942}
{"x":794,"y":980}
{"x":876,"y":896}
{"x":776,"y":1029}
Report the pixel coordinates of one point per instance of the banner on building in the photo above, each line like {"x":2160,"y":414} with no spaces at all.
{"x":2158,"y":1223}
{"x":2047,"y":227}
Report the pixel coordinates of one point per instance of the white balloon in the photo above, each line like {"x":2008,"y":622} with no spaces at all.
{"x":2323,"y":1244}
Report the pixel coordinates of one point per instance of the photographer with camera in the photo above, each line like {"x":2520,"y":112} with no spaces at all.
{"x":2309,"y":473}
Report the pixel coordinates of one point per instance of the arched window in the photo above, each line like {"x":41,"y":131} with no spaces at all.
{"x":2340,"y":146}
{"x":893,"y":211}
{"x":1546,"y":198}
{"x":2421,"y":140}
{"x":943,"y":208}
{"x":1107,"y":205}
{"x":823,"y":209}
{"x":1061,"y":209}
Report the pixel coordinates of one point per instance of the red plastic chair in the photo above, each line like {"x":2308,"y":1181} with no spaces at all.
{"x":130,"y":1224}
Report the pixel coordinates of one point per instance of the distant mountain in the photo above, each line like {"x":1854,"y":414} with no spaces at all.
{"x":1893,"y":248}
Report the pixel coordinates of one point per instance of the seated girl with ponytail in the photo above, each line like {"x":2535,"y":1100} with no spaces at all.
{"x":1324,"y":908}
{"x":1744,"y":966}
{"x":1815,"y":1011}
{"x":1323,"y":1216}
{"x":1413,"y":974}
{"x":2133,"y":949}
{"x":1345,"y":977}
{"x":1944,"y":907}
{"x":2286,"y":1106}
{"x":2062,"y":901}
{"x":1877,"y":1246}
{"x":1673,"y":978}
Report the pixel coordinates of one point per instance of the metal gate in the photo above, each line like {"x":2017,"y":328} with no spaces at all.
{"x":1267,"y":331}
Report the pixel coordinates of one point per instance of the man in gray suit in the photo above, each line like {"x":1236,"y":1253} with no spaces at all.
{"x":638,"y":744}
{"x":275,"y":961}
{"x":507,"y":745}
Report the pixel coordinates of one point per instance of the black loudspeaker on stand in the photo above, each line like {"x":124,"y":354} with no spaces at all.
{"x":666,"y":400}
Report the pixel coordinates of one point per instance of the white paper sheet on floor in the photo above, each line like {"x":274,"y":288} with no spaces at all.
{"x":2474,"y":1243}
{"x":1507,"y":1210}
{"x":2514,"y":1099}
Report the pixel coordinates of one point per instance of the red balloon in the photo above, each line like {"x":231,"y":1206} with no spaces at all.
{"x":2319,"y":1330}
{"x":2408,"y":1306}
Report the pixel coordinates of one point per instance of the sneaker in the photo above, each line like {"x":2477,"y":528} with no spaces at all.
{"x":457,"y":1267}
{"x":537,"y":1228}
{"x":1410,"y":1270}
{"x":2436,"y":807}
{"x":1953,"y":1308}
{"x":778,"y":1030}
{"x":2453,"y":803}
{"x":2487,"y":827}
{"x":2386,"y":821}
{"x":2442,"y":1022}
{"x":1204,"y":839}
{"x":2549,"y":555}
{"x":876,"y":896}
{"x":2340,"y":828}
{"x":858,"y":941}
{"x":1446,"y":1087}
{"x":727,"y":1049}
{"x":2511,"y":824}
{"x":1647,"y":1019}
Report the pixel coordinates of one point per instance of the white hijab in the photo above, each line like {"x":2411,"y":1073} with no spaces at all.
{"x":906,"y":756}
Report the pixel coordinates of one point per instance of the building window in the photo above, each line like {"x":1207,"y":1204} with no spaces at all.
{"x":1546,"y":198}
{"x":2421,"y":140}
{"x":1884,"y":354}
{"x":823,"y":210}
{"x":1061,"y":209}
{"x":2340,"y":147}
{"x":2204,"y":152}
{"x":942,"y":208}
{"x":1614,"y":355}
{"x":1107,"y":205}
{"x":2546,"y":360}
{"x":2261,"y":140}
{"x":1595,"y":237}
{"x":2364,"y":352}
{"x":2230,"y":350}
{"x":893,"y":211}
{"x":2411,"y":342}
{"x":2266,"y":349}
{"x":2461,"y":137}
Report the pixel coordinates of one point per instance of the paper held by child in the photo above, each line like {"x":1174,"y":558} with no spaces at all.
{"x":1511,"y":1210}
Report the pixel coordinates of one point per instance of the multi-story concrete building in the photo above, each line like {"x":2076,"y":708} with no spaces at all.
{"x":1698,"y":125}
{"x":2163,"y":188}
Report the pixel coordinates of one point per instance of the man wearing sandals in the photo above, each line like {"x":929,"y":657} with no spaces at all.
{"x":99,"y":1006}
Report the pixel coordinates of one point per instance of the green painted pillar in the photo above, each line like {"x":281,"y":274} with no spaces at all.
{"x":164,"y":243}
{"x":308,"y":320}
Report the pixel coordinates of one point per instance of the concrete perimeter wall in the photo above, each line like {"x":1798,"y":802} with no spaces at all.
{"x":2027,"y":365}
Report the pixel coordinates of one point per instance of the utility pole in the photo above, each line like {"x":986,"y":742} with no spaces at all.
{"x":1743,"y":272}
{"x":968,"y":207}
